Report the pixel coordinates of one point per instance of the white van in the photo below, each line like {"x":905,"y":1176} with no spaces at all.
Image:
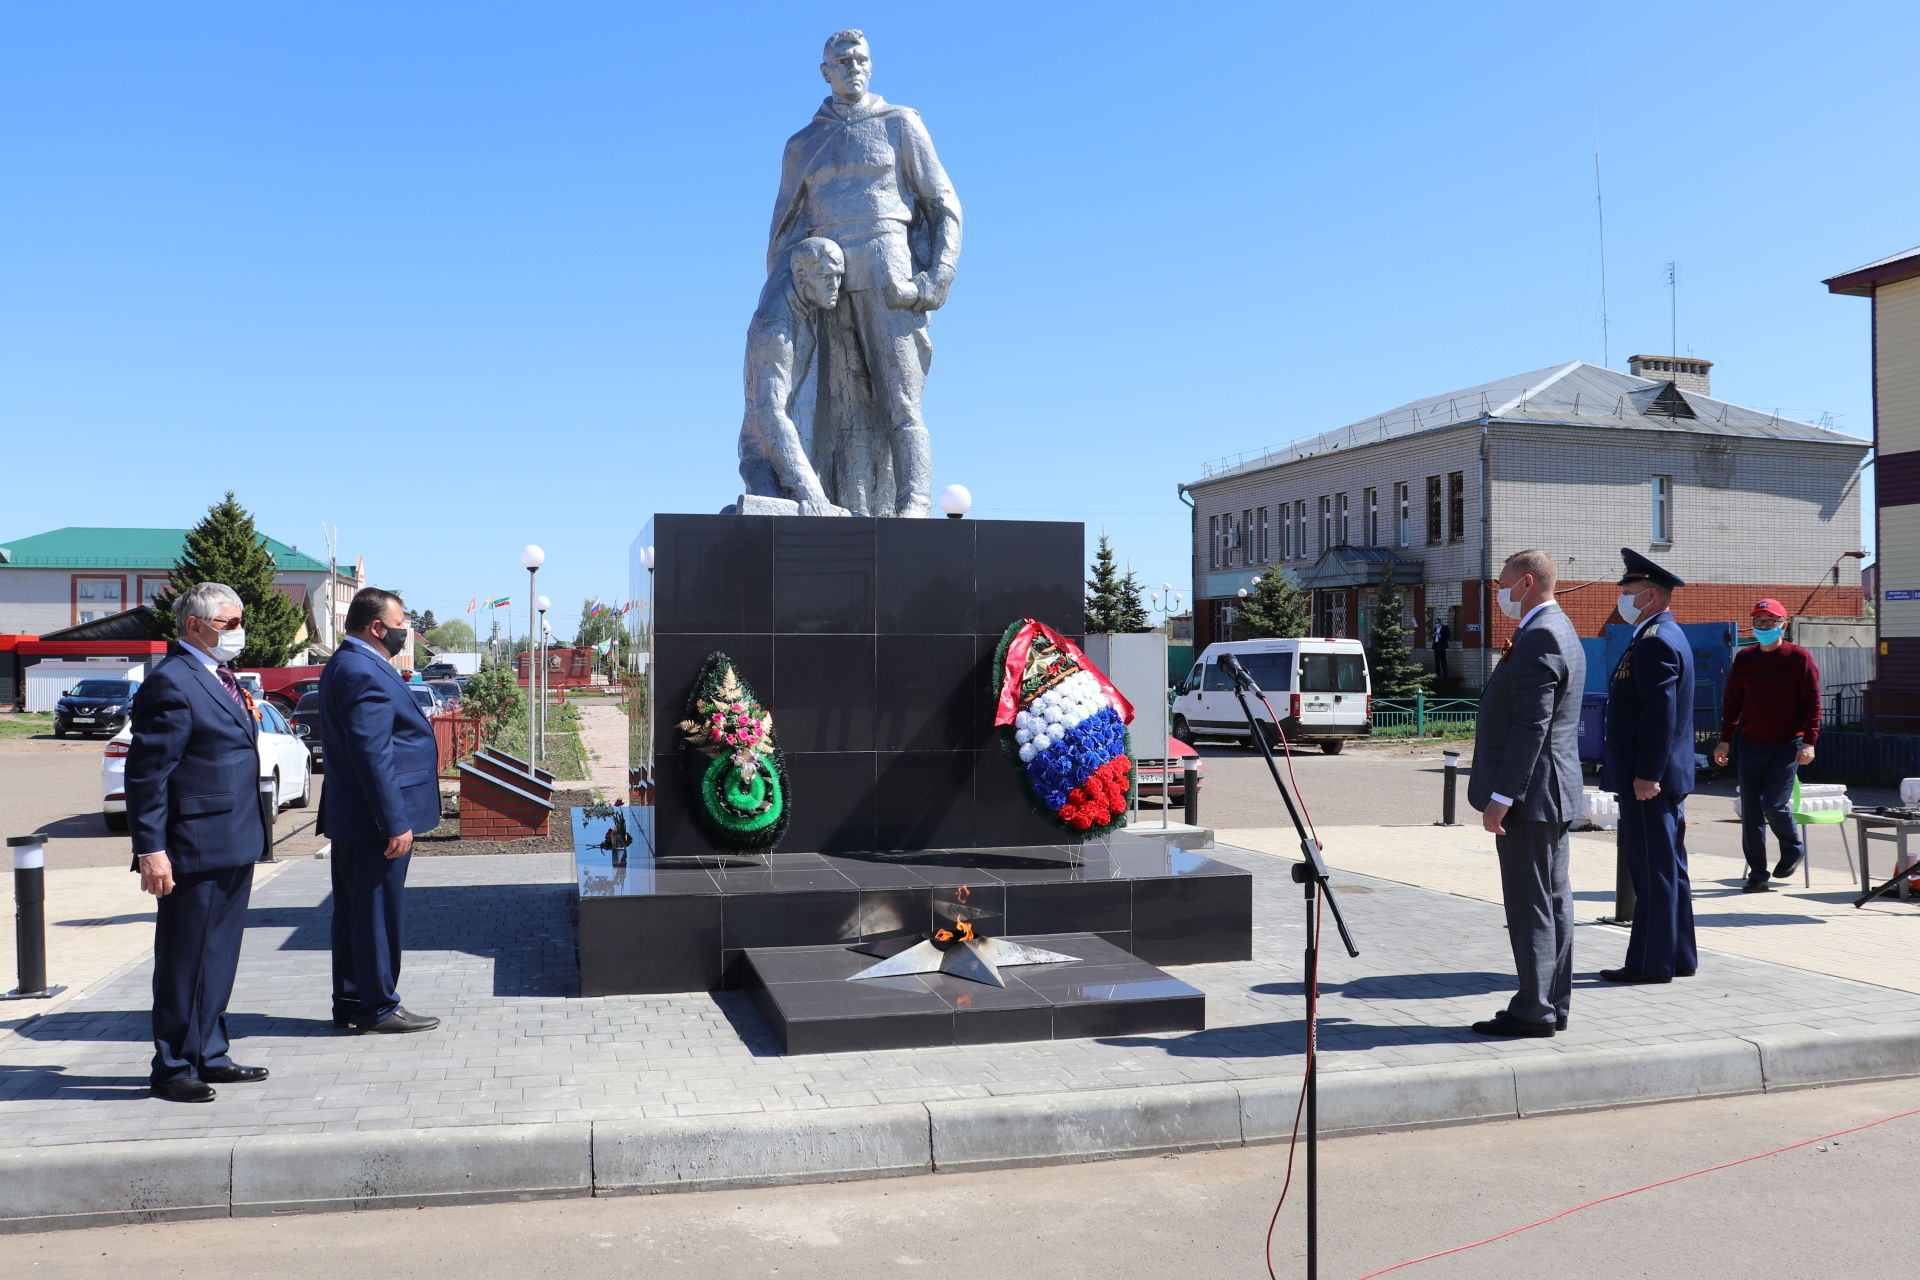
{"x":1320,"y":689}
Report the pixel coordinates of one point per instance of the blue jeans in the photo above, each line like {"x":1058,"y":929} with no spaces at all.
{"x":1767,"y":772}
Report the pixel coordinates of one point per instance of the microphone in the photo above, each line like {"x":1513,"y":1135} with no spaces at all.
{"x":1241,"y":679}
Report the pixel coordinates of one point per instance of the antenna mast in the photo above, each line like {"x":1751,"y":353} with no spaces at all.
{"x":1600,"y":213}
{"x":1673,"y":308}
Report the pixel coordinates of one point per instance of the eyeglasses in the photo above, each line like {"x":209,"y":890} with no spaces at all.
{"x":222,"y":624}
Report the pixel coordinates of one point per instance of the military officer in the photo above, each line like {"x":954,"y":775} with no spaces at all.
{"x":1648,"y":763}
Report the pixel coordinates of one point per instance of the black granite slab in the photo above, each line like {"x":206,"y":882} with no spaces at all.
{"x":869,"y":641}
{"x":641,"y":911}
{"x":813,"y":1004}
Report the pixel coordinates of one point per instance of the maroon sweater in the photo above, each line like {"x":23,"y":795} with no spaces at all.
{"x":1772,"y":697}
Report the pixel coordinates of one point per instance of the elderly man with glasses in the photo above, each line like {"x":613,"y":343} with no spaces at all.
{"x":193,"y":775}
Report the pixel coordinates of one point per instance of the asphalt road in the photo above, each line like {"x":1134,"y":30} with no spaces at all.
{"x":51,"y":787}
{"x":1384,"y":1199}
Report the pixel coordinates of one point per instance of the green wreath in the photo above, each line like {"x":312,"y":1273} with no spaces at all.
{"x":733,"y":762}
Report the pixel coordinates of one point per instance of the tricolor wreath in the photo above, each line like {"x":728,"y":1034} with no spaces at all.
{"x":732,"y":760}
{"x":1066,"y":726}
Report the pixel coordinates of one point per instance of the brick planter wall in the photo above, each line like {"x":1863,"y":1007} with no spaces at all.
{"x":493,"y":809}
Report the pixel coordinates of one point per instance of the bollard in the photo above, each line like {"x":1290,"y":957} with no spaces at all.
{"x":267,"y":817}
{"x":1448,"y":789}
{"x":30,"y":918}
{"x":1190,"y":792}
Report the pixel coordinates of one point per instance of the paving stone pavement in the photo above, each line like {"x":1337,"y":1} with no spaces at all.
{"x":491,"y":950}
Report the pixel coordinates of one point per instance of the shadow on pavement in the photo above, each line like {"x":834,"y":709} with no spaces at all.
{"x":1288,"y":1039}
{"x":748,"y":1024}
{"x":1415,"y":986}
{"x":526,"y":930}
{"x":53,"y":1083}
{"x":80,"y":825}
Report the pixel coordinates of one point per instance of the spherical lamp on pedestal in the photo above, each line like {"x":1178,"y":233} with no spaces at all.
{"x":955,"y":499}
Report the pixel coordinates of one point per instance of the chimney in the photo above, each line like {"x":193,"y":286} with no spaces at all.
{"x":1685,"y":373}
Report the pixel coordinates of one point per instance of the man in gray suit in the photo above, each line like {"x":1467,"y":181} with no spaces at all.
{"x":1526,"y":785}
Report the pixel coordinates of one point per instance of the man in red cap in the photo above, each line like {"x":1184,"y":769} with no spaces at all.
{"x":1772,"y":704}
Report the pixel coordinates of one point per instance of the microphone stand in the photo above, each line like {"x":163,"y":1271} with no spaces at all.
{"x":1311,"y":875}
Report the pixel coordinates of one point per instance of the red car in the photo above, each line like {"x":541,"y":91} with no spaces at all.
{"x":1152,"y":775}
{"x":288,"y":697}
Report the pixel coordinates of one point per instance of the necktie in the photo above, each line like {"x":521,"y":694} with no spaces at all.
{"x":233,"y":686}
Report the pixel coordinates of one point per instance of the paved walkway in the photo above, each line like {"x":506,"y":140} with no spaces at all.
{"x":530,"y":1089}
{"x":603,"y":732}
{"x":490,"y":949}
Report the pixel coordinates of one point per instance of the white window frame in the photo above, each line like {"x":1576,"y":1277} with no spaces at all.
{"x":1402,"y":491}
{"x":1370,"y":526}
{"x":1326,"y":522}
{"x":1662,"y":512}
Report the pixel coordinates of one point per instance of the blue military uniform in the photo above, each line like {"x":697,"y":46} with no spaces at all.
{"x":1649,"y":735}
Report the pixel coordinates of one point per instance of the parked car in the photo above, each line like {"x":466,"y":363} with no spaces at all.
{"x":1320,"y":689}
{"x":439,"y":671}
{"x":1152,"y":775}
{"x":283,"y":759}
{"x":94,"y":706}
{"x":288,"y":697}
{"x":307,"y":716}
{"x":428,"y":697}
{"x":449,"y":691}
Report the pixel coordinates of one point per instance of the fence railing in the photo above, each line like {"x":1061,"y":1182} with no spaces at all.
{"x":1421,"y":715}
{"x":455,"y":738}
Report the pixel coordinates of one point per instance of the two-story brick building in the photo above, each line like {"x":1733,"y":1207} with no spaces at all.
{"x":1575,"y":459}
{"x":66,"y":577}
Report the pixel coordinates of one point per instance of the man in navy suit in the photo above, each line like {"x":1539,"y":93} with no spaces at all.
{"x":1648,"y":763}
{"x":382,"y":788}
{"x":193,"y":806}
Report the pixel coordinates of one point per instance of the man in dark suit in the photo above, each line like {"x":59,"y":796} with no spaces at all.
{"x":382,"y":788}
{"x":1442,"y":637}
{"x":193,"y":806}
{"x":1526,"y":785}
{"x":1648,"y":763}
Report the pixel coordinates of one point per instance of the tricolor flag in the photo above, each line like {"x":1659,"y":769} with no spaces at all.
{"x":501,"y":603}
{"x":628,"y":605}
{"x":596,"y":608}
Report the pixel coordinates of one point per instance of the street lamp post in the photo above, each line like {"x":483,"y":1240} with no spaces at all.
{"x":532,"y":557}
{"x":543,"y":602}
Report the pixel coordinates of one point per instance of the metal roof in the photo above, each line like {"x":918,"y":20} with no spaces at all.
{"x":80,"y":548}
{"x":1861,"y":281}
{"x":1576,"y":394}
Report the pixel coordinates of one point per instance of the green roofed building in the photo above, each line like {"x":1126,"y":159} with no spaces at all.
{"x":66,"y":577}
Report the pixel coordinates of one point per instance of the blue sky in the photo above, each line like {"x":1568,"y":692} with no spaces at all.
{"x":459,"y":276}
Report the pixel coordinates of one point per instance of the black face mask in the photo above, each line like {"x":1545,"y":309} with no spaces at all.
{"x":394,"y":641}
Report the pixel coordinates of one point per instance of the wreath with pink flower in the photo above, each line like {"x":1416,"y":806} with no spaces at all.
{"x":1065,"y":726}
{"x":733,"y":762}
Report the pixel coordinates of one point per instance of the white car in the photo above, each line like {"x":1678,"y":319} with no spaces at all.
{"x":284,"y":758}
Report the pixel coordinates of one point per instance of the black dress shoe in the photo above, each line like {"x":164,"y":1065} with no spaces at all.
{"x":1788,"y":864}
{"x":1756,"y":883}
{"x":183,"y":1089}
{"x":1683,"y":973}
{"x":1505,"y":1024}
{"x":399,"y":1022}
{"x":235,"y":1074}
{"x":1560,"y":1023}
{"x":1634,"y":976}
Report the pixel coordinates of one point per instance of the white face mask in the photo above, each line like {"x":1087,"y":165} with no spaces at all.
{"x":1628,"y":609}
{"x":230,"y":644}
{"x":1508,"y":605}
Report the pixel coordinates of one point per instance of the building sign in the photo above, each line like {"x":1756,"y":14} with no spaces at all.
{"x":1903,"y":595}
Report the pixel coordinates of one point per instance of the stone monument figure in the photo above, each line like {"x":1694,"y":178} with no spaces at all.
{"x":863,"y":174}
{"x":782,"y":345}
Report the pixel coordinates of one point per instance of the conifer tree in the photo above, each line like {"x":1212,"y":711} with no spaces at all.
{"x":225,"y":547}
{"x":1113,"y":601}
{"x":1276,"y":609}
{"x":1389,"y":656}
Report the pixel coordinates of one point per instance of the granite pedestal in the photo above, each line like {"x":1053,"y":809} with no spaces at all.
{"x":653,"y":923}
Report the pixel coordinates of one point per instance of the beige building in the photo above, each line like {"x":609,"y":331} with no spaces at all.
{"x":1894,"y":285}
{"x":1575,"y":459}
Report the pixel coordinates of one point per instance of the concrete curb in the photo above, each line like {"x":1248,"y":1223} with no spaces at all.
{"x":100,"y":1184}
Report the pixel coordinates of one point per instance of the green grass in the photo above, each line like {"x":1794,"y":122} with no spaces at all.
{"x":26,"y":724}
{"x":566,"y":754}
